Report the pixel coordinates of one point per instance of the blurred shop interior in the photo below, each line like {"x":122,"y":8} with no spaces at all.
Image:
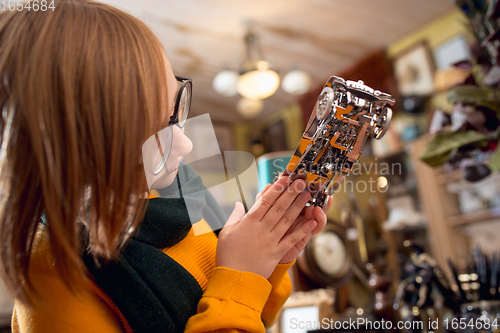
{"x":414,"y":230}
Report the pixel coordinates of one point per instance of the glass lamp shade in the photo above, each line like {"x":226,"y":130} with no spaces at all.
{"x":249,"y":108}
{"x":296,"y":82}
{"x":225,"y":83}
{"x":258,"y":84}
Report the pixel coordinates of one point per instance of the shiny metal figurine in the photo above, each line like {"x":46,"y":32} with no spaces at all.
{"x":346,"y":113}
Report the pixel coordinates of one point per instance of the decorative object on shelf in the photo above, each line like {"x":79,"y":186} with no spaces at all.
{"x":345,"y":115}
{"x":402,"y":214}
{"x":424,"y":291}
{"x":477,"y":196}
{"x":471,"y":142}
{"x":439,"y":120}
{"x":380,"y":282}
{"x":414,"y":71}
{"x":257,"y":79}
{"x":480,"y":283}
{"x":467,"y":301}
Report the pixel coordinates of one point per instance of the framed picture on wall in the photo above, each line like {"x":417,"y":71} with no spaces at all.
{"x":414,"y":71}
{"x":306,"y":311}
{"x":450,"y":52}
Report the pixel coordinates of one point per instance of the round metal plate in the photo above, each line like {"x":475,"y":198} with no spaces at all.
{"x":325,"y":102}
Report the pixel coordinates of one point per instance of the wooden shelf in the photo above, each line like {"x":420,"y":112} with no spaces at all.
{"x":421,"y":227}
{"x":445,"y":178}
{"x":442,"y":209}
{"x":479,"y":216}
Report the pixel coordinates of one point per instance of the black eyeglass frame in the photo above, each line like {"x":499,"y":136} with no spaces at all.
{"x":174,"y":119}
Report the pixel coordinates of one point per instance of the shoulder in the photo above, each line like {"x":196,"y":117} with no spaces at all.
{"x":56,"y":308}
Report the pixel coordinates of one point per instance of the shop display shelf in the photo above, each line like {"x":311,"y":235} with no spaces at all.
{"x":474,"y":217}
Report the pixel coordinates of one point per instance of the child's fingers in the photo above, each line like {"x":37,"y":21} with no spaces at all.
{"x":296,"y":250}
{"x":262,"y":192}
{"x":308,"y":214}
{"x":290,"y":217}
{"x":305,"y":215}
{"x":281,"y":206}
{"x":291,"y":240}
{"x":320,"y":217}
{"x":328,"y":204}
{"x":267,"y":200}
{"x":303,"y":242}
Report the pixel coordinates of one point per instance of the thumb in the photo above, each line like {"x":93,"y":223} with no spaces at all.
{"x":236,"y":216}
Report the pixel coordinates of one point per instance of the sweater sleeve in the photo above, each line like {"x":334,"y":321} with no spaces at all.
{"x":281,"y":290}
{"x":232,"y":302}
{"x":241,"y":301}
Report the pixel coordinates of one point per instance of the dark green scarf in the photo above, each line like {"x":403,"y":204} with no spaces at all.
{"x":154,"y":292}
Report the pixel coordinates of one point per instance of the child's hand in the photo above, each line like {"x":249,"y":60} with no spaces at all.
{"x":309,"y":213}
{"x":257,"y":241}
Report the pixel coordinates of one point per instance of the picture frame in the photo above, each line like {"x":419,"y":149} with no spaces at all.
{"x":304,"y":310}
{"x":414,"y":70}
{"x":451,"y":51}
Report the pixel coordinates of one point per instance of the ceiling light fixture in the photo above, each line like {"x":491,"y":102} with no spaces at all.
{"x":257,"y":80}
{"x":296,"y":82}
{"x":225,"y":83}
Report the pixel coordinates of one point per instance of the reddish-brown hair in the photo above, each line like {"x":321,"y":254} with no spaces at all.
{"x":81,"y":88}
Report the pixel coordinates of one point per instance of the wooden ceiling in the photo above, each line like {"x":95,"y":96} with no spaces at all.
{"x":322,"y":37}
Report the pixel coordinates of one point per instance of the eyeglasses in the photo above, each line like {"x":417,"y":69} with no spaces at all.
{"x":182,"y":102}
{"x":164,"y":138}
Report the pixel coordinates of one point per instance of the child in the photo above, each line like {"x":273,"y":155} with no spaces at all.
{"x":82,"y":88}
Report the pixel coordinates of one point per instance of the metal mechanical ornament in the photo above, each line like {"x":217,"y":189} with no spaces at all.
{"x":346,"y":113}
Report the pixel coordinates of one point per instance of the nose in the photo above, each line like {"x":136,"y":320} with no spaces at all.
{"x":181,"y":144}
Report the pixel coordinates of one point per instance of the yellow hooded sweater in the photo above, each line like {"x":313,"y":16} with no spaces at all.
{"x":232,"y":300}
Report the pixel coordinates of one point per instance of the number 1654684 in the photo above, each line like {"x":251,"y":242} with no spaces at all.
{"x":33,"y":5}
{"x":473,"y":324}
